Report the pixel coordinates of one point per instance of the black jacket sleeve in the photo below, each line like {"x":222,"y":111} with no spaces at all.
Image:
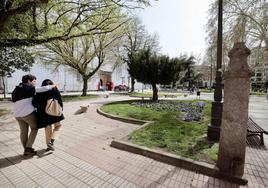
{"x":39,"y":101}
{"x":21,"y":92}
{"x":34,"y":102}
{"x":58,"y":97}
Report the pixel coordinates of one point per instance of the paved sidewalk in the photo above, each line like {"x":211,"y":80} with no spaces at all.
{"x":83,"y":158}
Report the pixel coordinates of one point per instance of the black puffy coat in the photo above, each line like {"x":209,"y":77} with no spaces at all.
{"x":40,"y":102}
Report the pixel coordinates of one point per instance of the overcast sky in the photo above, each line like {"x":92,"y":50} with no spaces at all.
{"x":180,"y":25}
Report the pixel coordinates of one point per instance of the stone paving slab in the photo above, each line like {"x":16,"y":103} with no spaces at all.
{"x":83,"y":158}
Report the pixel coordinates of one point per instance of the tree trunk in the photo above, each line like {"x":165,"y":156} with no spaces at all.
{"x":173,"y":84}
{"x":189,"y":78}
{"x":84,"y":91}
{"x":189,"y":85}
{"x":155,"y":91}
{"x":4,"y":87}
{"x":132,"y":85}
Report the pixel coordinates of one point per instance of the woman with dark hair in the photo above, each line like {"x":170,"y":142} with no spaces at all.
{"x":45,"y":120}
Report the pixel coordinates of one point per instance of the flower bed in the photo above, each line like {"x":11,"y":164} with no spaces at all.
{"x":191,"y":111}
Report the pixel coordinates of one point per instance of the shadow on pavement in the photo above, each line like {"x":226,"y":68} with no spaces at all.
{"x":9,"y":161}
{"x":43,"y":153}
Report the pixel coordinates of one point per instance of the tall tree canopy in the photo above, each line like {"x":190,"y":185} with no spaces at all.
{"x":12,"y":59}
{"x":190,"y":76}
{"x":29,"y":22}
{"x":149,"y":68}
{"x":179,"y":67}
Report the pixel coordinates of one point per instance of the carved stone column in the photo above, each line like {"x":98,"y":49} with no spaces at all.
{"x":232,"y":147}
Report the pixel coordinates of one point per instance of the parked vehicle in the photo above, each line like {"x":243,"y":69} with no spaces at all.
{"x":121,"y":88}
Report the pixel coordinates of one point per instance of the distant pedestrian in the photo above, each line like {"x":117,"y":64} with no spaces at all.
{"x":24,"y":111}
{"x":45,"y":120}
{"x":101,"y":88}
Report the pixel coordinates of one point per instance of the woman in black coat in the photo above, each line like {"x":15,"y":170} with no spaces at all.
{"x":45,"y":120}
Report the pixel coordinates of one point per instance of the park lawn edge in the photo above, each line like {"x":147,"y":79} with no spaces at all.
{"x":202,"y":156}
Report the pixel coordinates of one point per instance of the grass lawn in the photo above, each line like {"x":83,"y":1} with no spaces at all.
{"x":258,"y":93}
{"x":251,"y":93}
{"x":6,"y":99}
{"x":206,"y":91}
{"x":169,"y":132}
{"x":150,"y":94}
{"x":70,"y":98}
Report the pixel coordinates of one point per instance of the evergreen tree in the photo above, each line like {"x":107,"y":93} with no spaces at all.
{"x":151,"y":69}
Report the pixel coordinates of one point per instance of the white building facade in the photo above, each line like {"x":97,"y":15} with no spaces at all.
{"x":71,"y":81}
{"x":258,"y":62}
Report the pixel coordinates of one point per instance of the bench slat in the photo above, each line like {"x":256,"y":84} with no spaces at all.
{"x":255,"y":129}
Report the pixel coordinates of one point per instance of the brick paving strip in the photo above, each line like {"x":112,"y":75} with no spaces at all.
{"x":83,"y":158}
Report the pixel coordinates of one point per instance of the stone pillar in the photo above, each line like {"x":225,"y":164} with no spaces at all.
{"x":232,"y":147}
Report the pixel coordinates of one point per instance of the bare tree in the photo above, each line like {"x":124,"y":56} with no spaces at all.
{"x":244,"y":20}
{"x":133,"y":41}
{"x":136,"y":38}
{"x":84,"y":55}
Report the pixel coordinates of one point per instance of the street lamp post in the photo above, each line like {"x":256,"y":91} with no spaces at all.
{"x":214,"y":128}
{"x":211,"y":68}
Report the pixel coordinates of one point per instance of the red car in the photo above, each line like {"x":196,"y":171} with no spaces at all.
{"x":121,"y":88}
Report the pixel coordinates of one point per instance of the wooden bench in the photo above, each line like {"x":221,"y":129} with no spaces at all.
{"x":255,"y":129}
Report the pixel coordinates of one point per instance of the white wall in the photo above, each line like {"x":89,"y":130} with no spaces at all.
{"x":62,"y":77}
{"x":71,"y":81}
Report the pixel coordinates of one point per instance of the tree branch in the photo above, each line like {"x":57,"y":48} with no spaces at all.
{"x":5,"y":15}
